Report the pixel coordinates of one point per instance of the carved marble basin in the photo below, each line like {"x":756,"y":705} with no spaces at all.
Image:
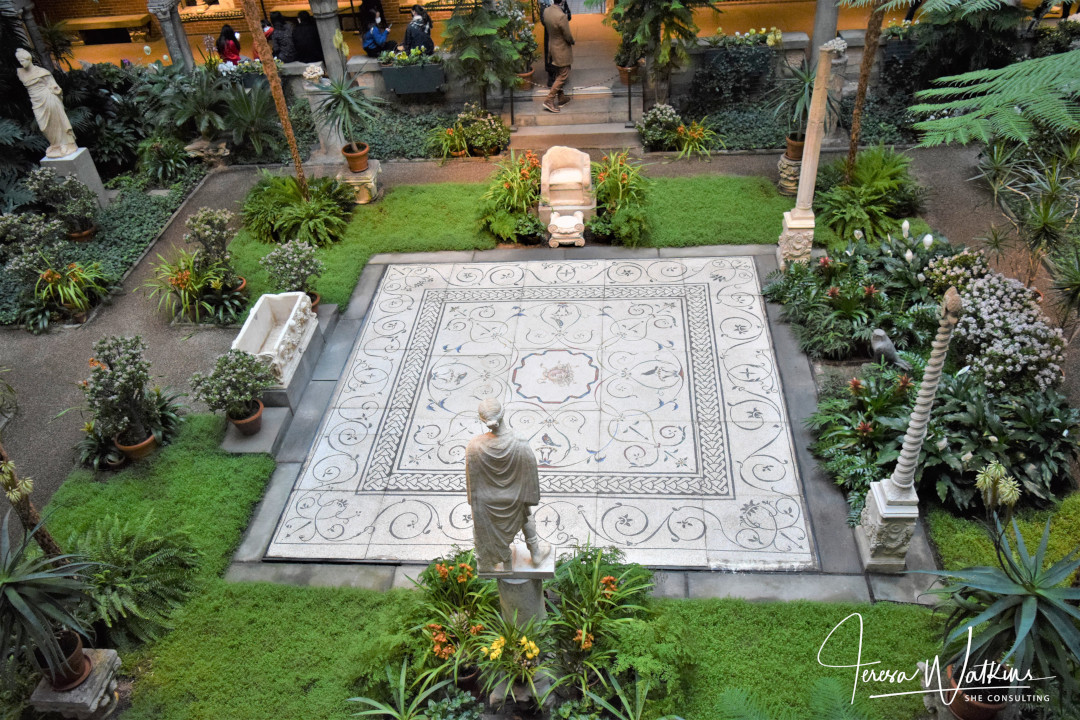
{"x":278,"y":331}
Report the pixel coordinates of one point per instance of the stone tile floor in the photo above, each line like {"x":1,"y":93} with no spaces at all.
{"x":648,"y":389}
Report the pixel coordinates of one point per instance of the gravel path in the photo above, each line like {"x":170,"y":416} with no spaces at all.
{"x":47,"y":368}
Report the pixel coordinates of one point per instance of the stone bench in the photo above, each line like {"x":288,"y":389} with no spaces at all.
{"x":137,"y":25}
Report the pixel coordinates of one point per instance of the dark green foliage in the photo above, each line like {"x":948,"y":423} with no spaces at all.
{"x":829,"y":700}
{"x":195,"y":104}
{"x":1053,"y":39}
{"x":276,"y":211}
{"x":747,"y":127}
{"x":882,"y":190}
{"x":886,"y":119}
{"x":143,"y":575}
{"x":481,"y":53}
{"x":733,"y":74}
{"x":251,"y":118}
{"x":400,"y":134}
{"x":457,"y":705}
{"x":162,"y":159}
{"x":629,"y":226}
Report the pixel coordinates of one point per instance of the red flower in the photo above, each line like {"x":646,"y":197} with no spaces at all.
{"x":865,"y":429}
{"x":825,"y":262}
{"x":833,"y":292}
{"x":904,"y":383}
{"x":856,"y":386}
{"x":870,"y":290}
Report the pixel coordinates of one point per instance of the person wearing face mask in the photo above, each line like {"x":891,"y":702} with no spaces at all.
{"x":377,"y":38}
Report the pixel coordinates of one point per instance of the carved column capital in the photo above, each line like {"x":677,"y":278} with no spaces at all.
{"x":161,"y":8}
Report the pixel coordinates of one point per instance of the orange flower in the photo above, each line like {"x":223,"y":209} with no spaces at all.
{"x":856,"y":386}
{"x":449,"y":131}
{"x":506,"y":185}
{"x":476,"y":629}
{"x":681,"y":130}
{"x":585,"y":640}
{"x":443,"y":571}
{"x":610,"y":584}
{"x":603,"y":176}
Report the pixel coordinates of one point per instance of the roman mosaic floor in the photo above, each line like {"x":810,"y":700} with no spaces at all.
{"x":648,"y":390}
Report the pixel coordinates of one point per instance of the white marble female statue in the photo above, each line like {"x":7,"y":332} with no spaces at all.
{"x":47,"y":100}
{"x":503,"y":486}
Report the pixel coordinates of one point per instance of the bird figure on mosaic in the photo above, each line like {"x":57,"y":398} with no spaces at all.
{"x":882,"y":347}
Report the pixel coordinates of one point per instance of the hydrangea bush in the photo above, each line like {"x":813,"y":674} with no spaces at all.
{"x":292,"y":267}
{"x":1005,"y":337}
{"x":958,"y":271}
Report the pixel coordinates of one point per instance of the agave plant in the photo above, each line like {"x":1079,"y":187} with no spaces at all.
{"x":1020,"y":613}
{"x":38,"y":598}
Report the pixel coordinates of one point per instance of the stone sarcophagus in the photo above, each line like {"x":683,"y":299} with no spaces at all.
{"x":282,"y":330}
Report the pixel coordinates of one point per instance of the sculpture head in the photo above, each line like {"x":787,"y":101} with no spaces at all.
{"x":879,"y":334}
{"x":24,"y":57}
{"x":491,"y":413}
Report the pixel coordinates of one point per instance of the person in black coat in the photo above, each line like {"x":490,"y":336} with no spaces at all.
{"x":305,"y":37}
{"x":418,"y":34}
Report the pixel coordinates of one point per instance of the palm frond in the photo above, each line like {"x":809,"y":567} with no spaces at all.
{"x":964,"y":7}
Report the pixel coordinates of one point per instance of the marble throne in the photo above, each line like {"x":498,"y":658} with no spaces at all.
{"x":566,"y":184}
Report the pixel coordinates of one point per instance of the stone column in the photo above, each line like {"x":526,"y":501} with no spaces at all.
{"x":798,"y":233}
{"x":892,"y":505}
{"x":826,"y":14}
{"x":26,"y":13}
{"x":326,"y":22}
{"x":173,"y":31}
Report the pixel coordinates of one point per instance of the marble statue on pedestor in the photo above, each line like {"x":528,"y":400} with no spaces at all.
{"x":503,"y":486}
{"x":48,"y":103}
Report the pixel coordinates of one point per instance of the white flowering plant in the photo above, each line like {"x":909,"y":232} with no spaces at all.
{"x":959,"y":271}
{"x":235,"y":385}
{"x":658,"y":126}
{"x":1005,"y":338}
{"x":293,"y":267}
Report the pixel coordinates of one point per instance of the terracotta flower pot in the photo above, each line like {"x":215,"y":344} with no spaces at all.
{"x":75,"y":668}
{"x":139,"y":450}
{"x":251,"y":424}
{"x":468,"y":680}
{"x":84,"y":235}
{"x":526,"y":78}
{"x":795,"y":146}
{"x":458,"y":153}
{"x":356,"y":155}
{"x":315,"y":297}
{"x":242,"y":286}
{"x":627,"y":75}
{"x":966,"y":708}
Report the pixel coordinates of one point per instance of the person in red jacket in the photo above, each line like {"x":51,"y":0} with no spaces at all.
{"x":228,"y":45}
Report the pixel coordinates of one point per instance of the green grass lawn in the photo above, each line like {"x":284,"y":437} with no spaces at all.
{"x":252,"y":651}
{"x":964,"y":542}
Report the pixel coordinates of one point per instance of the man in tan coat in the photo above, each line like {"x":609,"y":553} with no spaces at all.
{"x":560,"y":52}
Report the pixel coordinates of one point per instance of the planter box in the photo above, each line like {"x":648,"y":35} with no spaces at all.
{"x":414,"y":80}
{"x":897,"y":51}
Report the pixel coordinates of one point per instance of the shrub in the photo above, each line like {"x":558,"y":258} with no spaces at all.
{"x":400,"y":134}
{"x":1006,"y":339}
{"x":737,"y":70}
{"x":621,"y":198}
{"x":746,"y":127}
{"x":485,"y":132}
{"x":507,"y":208}
{"x":657,"y":127}
{"x":118,"y":394}
{"x":292,"y":267}
{"x":70,"y":200}
{"x":162,"y":159}
{"x":251,"y":118}
{"x":235,"y":385}
{"x":182,"y":284}
{"x":72,"y":288}
{"x":209,"y":229}
{"x":276,"y":211}
{"x":142,"y":575}
{"x":959,"y":271}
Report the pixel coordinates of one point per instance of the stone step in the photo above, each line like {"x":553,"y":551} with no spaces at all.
{"x":597,"y":136}
{"x":585,"y":108}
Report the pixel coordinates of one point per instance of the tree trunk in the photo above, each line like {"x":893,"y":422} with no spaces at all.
{"x":870,"y":48}
{"x":266,"y":56}
{"x":31,"y":518}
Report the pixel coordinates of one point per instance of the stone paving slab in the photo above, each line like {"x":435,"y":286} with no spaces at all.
{"x":648,"y":388}
{"x":779,"y":587}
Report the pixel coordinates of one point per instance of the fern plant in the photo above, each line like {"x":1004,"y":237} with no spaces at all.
{"x":142,"y":575}
{"x":277,"y":211}
{"x":829,"y":700}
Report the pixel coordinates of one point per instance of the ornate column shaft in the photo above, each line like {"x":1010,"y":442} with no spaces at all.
{"x":326,"y":22}
{"x":173,"y":30}
{"x":892,"y":505}
{"x":798,"y":233}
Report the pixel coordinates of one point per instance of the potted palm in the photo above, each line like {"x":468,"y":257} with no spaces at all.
{"x":234,"y":387}
{"x":791,"y":99}
{"x":1020,"y":618}
{"x":38,"y":609}
{"x":344,"y":107}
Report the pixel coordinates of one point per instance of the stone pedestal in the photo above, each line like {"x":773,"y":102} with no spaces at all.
{"x":566,"y":229}
{"x":884,"y":533}
{"x":94,"y":699}
{"x":521,"y":590}
{"x":81,"y":165}
{"x":789,"y":175}
{"x":796,"y":239}
{"x":365,"y":184}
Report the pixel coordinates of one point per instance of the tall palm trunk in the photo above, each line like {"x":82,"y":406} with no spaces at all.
{"x":251,"y":15}
{"x":870,"y":48}
{"x":28,"y":514}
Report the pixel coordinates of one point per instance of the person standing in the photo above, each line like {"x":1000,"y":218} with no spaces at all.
{"x":560,"y":44}
{"x":418,"y":34}
{"x":282,"y":39}
{"x":306,"y":39}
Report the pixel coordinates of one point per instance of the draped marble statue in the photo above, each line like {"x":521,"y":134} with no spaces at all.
{"x":503,"y":486}
{"x":47,"y":101}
